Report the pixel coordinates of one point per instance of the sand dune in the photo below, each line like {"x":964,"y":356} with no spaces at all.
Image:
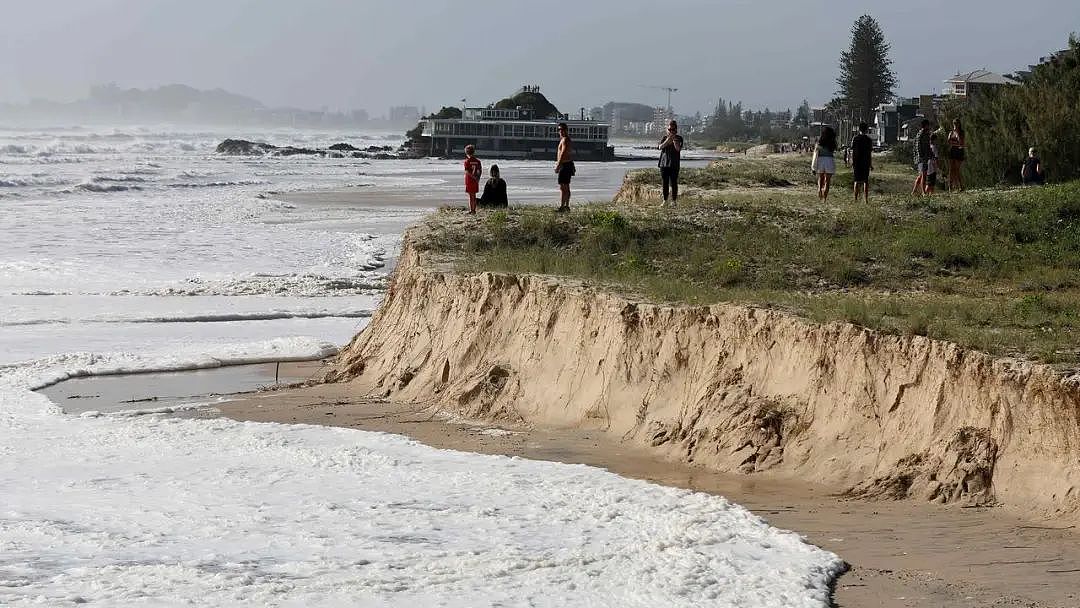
{"x":729,"y":387}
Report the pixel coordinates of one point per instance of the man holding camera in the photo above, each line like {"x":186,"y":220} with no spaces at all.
{"x":670,"y":155}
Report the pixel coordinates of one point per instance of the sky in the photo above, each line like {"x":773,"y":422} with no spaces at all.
{"x":372,"y":54}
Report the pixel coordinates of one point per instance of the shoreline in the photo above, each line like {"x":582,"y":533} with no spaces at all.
{"x":901,"y":553}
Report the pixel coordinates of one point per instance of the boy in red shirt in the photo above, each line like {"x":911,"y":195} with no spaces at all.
{"x":473,"y":171}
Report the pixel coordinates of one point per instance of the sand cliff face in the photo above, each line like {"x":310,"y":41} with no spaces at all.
{"x":729,"y":387}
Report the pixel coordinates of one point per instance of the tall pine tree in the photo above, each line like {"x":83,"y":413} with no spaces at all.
{"x":866,"y":77}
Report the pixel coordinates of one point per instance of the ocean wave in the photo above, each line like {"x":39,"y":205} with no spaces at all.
{"x":193,"y":174}
{"x":65,"y":148}
{"x":228,"y":317}
{"x":47,"y":371}
{"x":124,"y":178}
{"x":15,"y":149}
{"x":298,"y":285}
{"x":24,"y":181}
{"x":224,"y":184}
{"x":102,"y":188}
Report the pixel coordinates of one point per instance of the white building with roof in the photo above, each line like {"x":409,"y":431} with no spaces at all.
{"x":969,"y":83}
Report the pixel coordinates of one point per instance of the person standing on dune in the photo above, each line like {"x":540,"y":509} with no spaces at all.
{"x":473,"y":171}
{"x":670,"y":154}
{"x":564,"y":166}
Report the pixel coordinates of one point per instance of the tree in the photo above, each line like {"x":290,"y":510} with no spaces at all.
{"x":541,"y":107}
{"x":866,"y":77}
{"x":447,"y":112}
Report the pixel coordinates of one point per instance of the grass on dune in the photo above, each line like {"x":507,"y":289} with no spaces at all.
{"x":996,"y":270}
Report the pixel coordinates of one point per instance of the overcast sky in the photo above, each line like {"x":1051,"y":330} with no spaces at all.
{"x":372,"y":54}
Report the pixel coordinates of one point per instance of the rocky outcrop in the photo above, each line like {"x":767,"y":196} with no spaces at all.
{"x":729,"y":387}
{"x":243,"y":147}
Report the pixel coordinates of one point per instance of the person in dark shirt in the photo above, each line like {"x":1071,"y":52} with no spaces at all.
{"x":923,"y":154}
{"x":670,"y":156}
{"x":1032,"y":172}
{"x":862,"y":149}
{"x":494,"y":190}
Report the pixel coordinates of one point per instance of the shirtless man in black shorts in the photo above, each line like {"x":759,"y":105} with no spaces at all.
{"x":564,"y":165}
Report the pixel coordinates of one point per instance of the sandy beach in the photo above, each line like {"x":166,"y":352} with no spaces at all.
{"x":901,"y":553}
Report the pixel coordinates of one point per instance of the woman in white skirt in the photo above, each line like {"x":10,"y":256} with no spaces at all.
{"x":824,"y":164}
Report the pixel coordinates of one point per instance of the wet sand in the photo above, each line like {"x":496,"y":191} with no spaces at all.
{"x":901,"y":553}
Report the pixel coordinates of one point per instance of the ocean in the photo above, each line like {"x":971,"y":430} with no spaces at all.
{"x":135,"y":249}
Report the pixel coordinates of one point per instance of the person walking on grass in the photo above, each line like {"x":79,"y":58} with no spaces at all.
{"x":923,"y":153}
{"x":957,"y":156}
{"x":670,"y":155}
{"x":564,"y":166}
{"x":824,"y":163}
{"x":473,"y":171}
{"x":862,"y":161}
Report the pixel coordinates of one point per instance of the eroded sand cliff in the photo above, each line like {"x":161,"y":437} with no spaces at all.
{"x":730,"y":387}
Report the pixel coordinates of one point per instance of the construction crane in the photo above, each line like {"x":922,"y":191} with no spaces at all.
{"x":669,"y":90}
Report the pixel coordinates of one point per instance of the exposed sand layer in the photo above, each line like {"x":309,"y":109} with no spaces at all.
{"x":728,"y":387}
{"x":902,"y":553}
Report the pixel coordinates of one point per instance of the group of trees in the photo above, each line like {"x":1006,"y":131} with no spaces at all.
{"x":1042,"y":112}
{"x":866,"y":81}
{"x":730,"y":122}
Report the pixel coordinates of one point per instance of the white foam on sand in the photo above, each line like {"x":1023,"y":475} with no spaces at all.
{"x":150,"y":510}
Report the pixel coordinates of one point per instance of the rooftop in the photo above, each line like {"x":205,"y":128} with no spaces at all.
{"x":981,"y":77}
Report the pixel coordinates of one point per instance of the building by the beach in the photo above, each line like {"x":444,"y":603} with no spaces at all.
{"x":513,"y":133}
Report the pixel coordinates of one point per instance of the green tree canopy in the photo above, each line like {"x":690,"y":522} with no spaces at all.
{"x":529,"y":99}
{"x":866,"y":76}
{"x":447,"y":112}
{"x":1043,"y":112}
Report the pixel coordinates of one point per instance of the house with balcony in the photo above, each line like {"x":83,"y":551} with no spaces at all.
{"x":969,"y":84}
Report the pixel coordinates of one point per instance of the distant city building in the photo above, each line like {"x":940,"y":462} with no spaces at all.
{"x":404,"y":114}
{"x":661,"y":116}
{"x":889,"y":117}
{"x":781,"y":120}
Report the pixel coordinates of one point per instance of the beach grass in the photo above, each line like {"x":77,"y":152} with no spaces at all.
{"x":995,"y":270}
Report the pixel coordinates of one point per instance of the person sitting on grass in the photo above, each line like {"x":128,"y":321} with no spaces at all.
{"x":494,"y":190}
{"x":1032,"y":173}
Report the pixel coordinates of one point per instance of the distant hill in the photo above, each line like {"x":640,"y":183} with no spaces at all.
{"x":174,"y":103}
